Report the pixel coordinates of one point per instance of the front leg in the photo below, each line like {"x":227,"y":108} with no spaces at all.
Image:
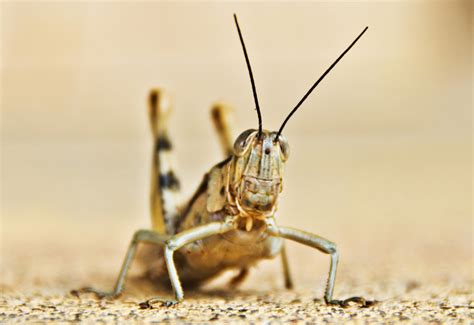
{"x":187,"y":237}
{"x":324,"y":246}
{"x":143,"y":235}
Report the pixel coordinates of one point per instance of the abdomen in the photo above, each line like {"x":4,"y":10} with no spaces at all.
{"x":239,"y":249}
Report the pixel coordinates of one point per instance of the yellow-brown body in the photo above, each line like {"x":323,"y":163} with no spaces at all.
{"x":203,"y":259}
{"x":229,"y":221}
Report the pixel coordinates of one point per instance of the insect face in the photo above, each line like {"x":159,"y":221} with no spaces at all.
{"x":259,"y":155}
{"x":258,"y":171}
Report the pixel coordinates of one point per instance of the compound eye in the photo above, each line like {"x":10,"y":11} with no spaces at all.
{"x":243,"y":142}
{"x":284,"y":146}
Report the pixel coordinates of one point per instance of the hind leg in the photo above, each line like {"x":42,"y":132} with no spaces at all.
{"x":220,"y":114}
{"x":164,"y":184}
{"x":139,"y":236}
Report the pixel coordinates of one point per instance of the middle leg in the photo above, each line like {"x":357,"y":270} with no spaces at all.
{"x":239,"y":278}
{"x":286,"y":268}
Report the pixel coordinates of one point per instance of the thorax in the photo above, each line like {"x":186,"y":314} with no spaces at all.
{"x":236,"y":248}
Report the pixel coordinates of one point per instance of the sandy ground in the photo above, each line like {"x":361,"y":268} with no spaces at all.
{"x":401,"y":216}
{"x":39,"y":270}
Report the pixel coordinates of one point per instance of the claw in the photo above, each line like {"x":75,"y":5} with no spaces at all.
{"x":148,"y":304}
{"x":97,"y":293}
{"x":75,"y":293}
{"x":346,"y":302}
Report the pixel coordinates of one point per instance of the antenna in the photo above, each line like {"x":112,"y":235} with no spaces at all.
{"x":318,"y":81}
{"x":257,"y":107}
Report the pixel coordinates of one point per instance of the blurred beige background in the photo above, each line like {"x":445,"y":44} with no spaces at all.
{"x":381,"y":151}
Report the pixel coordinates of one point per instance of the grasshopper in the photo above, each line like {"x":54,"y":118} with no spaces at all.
{"x":229,"y":222}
